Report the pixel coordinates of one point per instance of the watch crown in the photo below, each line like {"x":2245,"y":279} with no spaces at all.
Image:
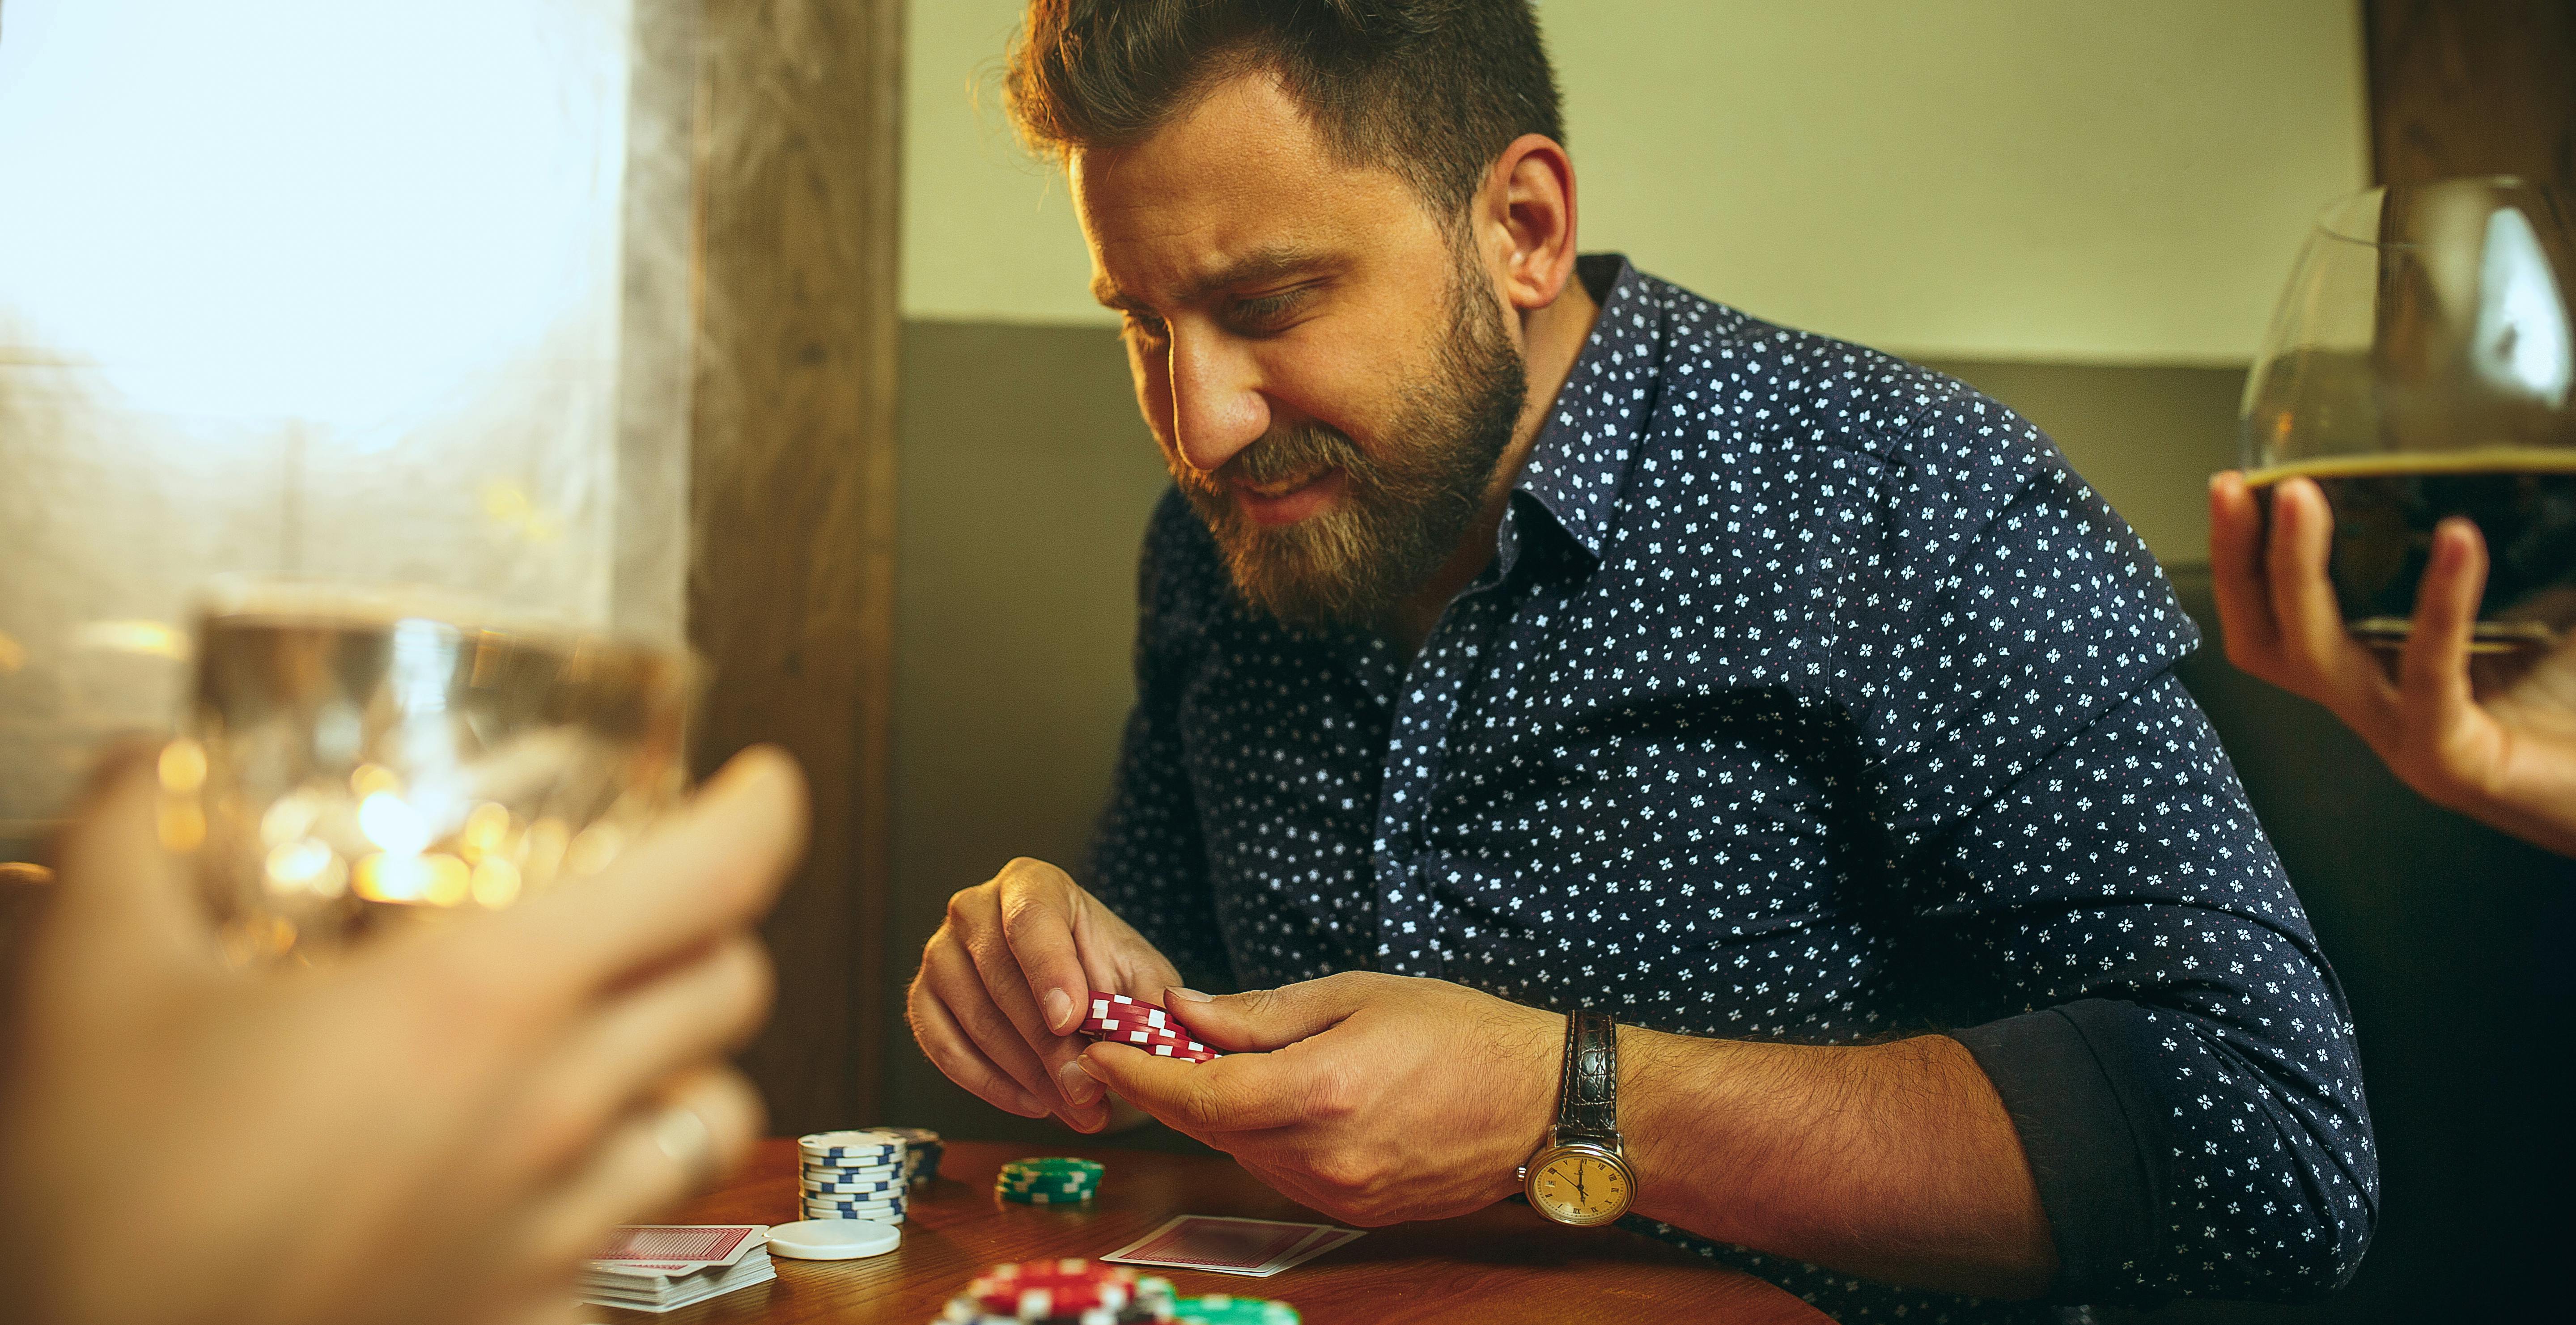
{"x":1521,"y":1173}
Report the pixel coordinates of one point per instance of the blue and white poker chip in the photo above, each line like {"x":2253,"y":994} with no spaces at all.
{"x":858,"y":1172}
{"x":852,"y":1177}
{"x":891,"y":1194}
{"x":890,"y":1212}
{"x":890,"y":1216}
{"x":854,"y":1184}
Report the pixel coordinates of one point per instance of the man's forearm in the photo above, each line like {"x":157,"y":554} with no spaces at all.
{"x":1896,"y":1161}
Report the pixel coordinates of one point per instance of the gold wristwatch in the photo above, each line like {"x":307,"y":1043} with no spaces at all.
{"x":1581,"y":1176}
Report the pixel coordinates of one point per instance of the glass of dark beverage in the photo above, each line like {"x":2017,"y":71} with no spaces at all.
{"x":2422,"y":365}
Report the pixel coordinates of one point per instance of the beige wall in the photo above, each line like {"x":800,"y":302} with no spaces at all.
{"x":2032,"y":180}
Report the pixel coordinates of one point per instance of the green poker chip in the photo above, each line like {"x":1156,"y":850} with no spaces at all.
{"x":1055,"y":1162}
{"x":1219,"y":1309}
{"x":1049,"y":1180}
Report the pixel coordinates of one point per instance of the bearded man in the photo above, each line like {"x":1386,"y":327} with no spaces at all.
{"x":1642,"y":759}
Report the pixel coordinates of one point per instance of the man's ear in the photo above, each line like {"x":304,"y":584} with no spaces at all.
{"x":1525,"y":216}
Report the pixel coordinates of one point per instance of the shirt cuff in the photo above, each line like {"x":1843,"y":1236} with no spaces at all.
{"x":2062,"y":1074}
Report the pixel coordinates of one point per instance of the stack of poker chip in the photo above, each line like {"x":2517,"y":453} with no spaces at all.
{"x":1116,"y":1018}
{"x":1049,"y":1181}
{"x":921,"y":1152}
{"x":852,"y":1175}
{"x":1068,"y":1292}
{"x":1219,"y":1309}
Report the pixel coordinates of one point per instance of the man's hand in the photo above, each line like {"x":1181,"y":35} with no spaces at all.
{"x":1378,"y":1098}
{"x":1004,"y":984}
{"x":2493,"y":737}
{"x":1373,"y":1098}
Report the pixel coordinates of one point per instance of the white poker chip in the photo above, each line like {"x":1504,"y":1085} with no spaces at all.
{"x":833,"y":1239}
{"x":864,"y":1142}
{"x":854,"y":1159}
{"x":853,"y":1188}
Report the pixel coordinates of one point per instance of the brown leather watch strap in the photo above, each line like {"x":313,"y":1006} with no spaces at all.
{"x":1588,"y":1098}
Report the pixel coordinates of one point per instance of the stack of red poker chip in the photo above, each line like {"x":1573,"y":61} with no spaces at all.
{"x":1116,"y":1018}
{"x":1064,"y":1290}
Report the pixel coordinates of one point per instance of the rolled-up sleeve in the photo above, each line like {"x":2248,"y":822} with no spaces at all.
{"x":2091,"y":901}
{"x":2181,"y":1066}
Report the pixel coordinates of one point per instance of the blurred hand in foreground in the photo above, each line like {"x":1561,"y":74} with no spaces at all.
{"x":2490,"y":736}
{"x":432,"y":1127}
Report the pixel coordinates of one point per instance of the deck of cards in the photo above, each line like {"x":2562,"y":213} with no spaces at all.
{"x":663,"y":1267}
{"x":1256,"y":1248}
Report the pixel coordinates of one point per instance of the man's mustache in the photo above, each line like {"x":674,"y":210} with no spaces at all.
{"x":1286,"y":455}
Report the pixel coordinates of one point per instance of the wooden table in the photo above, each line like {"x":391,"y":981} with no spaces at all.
{"x":1499,"y":1264}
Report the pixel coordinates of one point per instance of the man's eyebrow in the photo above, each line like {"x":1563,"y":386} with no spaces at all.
{"x":1251,"y":269}
{"x":1108,"y":294}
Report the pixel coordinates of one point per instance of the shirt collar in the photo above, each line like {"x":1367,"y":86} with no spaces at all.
{"x":1578,"y":468}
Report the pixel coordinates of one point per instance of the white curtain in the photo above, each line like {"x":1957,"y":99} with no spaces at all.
{"x":321,"y":288}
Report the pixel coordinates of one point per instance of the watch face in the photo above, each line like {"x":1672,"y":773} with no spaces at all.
{"x":1576,"y":1188}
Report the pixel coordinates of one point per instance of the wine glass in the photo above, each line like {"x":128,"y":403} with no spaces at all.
{"x":2420,"y":366}
{"x":354,"y":759}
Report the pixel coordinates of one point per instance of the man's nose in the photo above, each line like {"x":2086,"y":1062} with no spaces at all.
{"x":1217,"y":405}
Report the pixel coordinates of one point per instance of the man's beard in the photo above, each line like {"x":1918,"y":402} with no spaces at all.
{"x":1401,"y":514}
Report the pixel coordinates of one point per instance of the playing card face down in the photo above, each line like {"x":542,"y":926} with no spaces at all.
{"x":1254,"y":1247}
{"x":677,"y":1248}
{"x":663,"y":1267}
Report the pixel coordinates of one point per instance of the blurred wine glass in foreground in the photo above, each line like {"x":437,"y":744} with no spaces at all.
{"x":2420,"y":366}
{"x":353,"y":759}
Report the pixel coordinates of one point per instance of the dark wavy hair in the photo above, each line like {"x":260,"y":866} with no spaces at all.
{"x":1432,"y":89}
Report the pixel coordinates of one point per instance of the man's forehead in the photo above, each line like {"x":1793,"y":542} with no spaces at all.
{"x":1237,"y":187}
{"x":1269,"y":262}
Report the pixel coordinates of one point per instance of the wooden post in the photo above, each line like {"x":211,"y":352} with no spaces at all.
{"x":790,"y":588}
{"x":2472,"y":87}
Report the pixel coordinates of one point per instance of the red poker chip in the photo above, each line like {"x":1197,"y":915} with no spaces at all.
{"x":1114,"y":1026}
{"x":1118,"y":1019}
{"x":1037,"y":1290}
{"x":1156,"y":1041}
{"x":1122,"y":1007}
{"x":1128,"y":1030}
{"x":1129,"y":1020}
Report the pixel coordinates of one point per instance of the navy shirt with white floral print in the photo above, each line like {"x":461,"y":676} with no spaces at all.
{"x":1809,"y":697}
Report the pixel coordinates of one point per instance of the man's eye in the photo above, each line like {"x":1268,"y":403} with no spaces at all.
{"x":1265,"y":310}
{"x":1144,"y":326}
